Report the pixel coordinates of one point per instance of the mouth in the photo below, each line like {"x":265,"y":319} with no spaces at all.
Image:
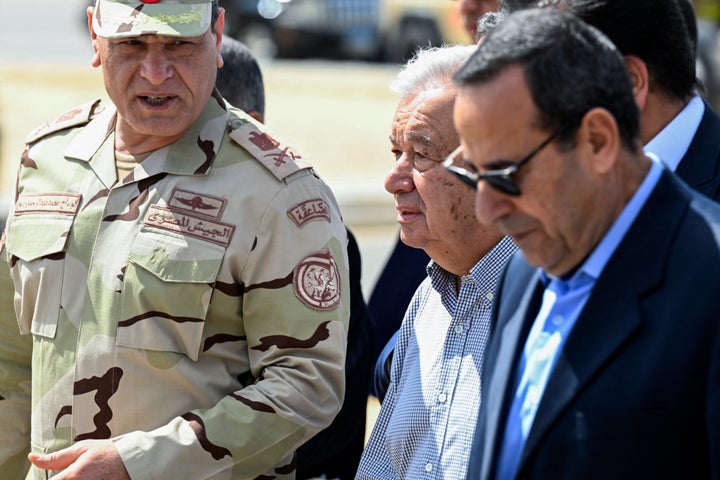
{"x":156,"y":101}
{"x":405,"y":216}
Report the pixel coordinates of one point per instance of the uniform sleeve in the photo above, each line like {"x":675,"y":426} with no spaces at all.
{"x":294,"y":310}
{"x":15,"y":356}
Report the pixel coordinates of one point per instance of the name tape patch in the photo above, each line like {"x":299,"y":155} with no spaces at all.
{"x":309,"y":210}
{"x":202,"y":228}
{"x":60,"y":203}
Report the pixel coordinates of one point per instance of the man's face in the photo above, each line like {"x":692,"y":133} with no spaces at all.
{"x":472,"y":10}
{"x":159,"y":84}
{"x":435,"y":211}
{"x":552,"y":220}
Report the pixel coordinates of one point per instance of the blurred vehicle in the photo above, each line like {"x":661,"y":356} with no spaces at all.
{"x":304,"y":28}
{"x":387,"y":30}
{"x":407,"y":24}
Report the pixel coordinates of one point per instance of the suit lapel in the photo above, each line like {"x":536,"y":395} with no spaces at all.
{"x":613,"y":312}
{"x":521,"y":304}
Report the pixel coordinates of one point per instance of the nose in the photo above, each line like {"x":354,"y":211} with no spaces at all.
{"x":156,"y":67}
{"x":490,"y":204}
{"x":400,"y":177}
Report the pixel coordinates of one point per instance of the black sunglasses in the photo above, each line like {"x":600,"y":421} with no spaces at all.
{"x":502,"y":179}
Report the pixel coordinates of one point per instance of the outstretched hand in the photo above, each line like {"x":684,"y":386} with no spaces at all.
{"x":90,"y":459}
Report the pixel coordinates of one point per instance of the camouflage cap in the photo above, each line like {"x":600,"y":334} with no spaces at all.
{"x":130,"y":18}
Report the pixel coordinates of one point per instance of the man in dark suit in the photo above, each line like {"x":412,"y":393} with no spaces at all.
{"x":605,"y":356}
{"x":658,"y":39}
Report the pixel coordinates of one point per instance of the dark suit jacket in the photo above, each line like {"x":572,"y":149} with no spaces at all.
{"x":635,"y":392}
{"x":700,"y":167}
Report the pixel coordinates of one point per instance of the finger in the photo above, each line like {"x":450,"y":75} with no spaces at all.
{"x":54,"y":461}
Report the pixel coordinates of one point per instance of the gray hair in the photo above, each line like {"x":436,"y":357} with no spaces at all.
{"x":431,"y":68}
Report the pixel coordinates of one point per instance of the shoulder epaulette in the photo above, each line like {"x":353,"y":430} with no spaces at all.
{"x":72,"y":118}
{"x":281,"y":159}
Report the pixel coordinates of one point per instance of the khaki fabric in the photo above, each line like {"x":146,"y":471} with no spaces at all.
{"x":195,"y":312}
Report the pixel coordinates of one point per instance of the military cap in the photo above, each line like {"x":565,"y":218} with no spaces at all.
{"x":131,"y":18}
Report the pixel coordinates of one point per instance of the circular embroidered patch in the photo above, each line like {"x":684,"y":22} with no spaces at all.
{"x":317,"y":282}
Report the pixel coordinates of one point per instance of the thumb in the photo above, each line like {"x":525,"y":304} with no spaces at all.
{"x":57,"y":460}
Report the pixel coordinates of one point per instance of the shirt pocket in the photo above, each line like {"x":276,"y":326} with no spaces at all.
{"x":37,"y":246}
{"x":167,"y":287}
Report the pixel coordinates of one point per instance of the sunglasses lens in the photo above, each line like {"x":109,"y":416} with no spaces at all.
{"x":504,"y":184}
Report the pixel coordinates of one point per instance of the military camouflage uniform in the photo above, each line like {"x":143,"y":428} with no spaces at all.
{"x":194,"y":312}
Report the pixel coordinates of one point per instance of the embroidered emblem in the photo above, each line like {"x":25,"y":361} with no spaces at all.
{"x":263,"y":141}
{"x":317,"y":282}
{"x":197,"y":203}
{"x":60,"y":203}
{"x":202,"y":228}
{"x":309,"y":210}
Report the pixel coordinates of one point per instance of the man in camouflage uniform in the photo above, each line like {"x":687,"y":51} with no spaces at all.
{"x":181,"y":272}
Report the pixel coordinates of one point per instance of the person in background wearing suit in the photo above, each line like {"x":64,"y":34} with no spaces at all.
{"x":426,"y":421}
{"x":659,"y":51}
{"x":604,"y":360}
{"x":334,"y":452}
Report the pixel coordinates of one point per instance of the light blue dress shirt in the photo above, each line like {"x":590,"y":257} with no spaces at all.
{"x":673,"y":141}
{"x":563,"y":300}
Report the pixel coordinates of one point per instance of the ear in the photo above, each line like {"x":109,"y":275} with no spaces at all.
{"x":640,"y":79}
{"x":599,"y":139}
{"x":218,"y":31}
{"x":95,"y":62}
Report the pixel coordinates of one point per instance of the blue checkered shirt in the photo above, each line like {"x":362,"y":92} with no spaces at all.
{"x":426,"y":424}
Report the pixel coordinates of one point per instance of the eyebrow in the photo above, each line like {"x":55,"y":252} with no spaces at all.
{"x":420,"y":138}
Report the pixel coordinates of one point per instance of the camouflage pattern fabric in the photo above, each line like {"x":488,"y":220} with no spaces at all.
{"x":195,"y":313}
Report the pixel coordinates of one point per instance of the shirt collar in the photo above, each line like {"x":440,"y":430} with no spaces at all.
{"x":484,"y":272}
{"x":673,"y":141}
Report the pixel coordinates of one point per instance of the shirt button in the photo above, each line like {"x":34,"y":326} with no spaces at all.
{"x":558,"y":320}
{"x":442,"y":397}
{"x":428,"y":467}
{"x":489,"y":296}
{"x":459,"y":329}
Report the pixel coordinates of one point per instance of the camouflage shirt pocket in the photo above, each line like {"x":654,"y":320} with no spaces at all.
{"x":167,"y":287}
{"x":36,"y":244}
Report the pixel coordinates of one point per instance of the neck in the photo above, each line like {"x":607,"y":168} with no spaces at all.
{"x":658,"y":112}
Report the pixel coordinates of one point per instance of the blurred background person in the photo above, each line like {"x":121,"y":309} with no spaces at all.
{"x":472,"y":10}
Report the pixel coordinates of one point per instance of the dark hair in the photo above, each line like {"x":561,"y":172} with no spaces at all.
{"x":570,"y":68}
{"x":240,"y":80}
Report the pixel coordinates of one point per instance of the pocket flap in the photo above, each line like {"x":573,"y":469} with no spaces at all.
{"x":176,"y":258}
{"x":33,"y":236}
